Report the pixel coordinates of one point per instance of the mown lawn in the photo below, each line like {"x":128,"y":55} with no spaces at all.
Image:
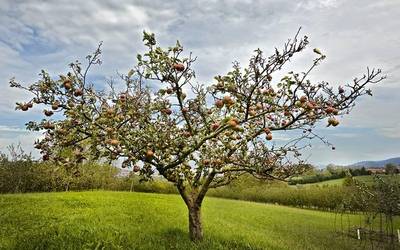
{"x":122,"y":220}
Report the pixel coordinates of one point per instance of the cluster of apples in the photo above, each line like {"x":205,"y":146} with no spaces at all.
{"x":166,"y":111}
{"x":186,"y":133}
{"x":178,"y":67}
{"x":24,"y":106}
{"x":303,"y":102}
{"x":61,"y":131}
{"x":113,"y":142}
{"x":68,"y":84}
{"x":149,"y":154}
{"x":216,"y":162}
{"x":215,"y":126}
{"x":333,"y":121}
{"x":171,"y":91}
{"x":268,"y":134}
{"x":48,"y":125}
{"x":312,"y":105}
{"x":226,"y":101}
{"x":234,"y":124}
{"x":268,"y":91}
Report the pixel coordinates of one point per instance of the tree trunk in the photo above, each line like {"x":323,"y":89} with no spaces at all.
{"x":193,"y":199}
{"x":195,"y":227}
{"x":132,"y":185}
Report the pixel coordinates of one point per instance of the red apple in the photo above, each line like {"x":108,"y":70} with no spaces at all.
{"x":179,"y":67}
{"x":149,"y":154}
{"x":215,"y":126}
{"x":219,"y":103}
{"x":67,"y":84}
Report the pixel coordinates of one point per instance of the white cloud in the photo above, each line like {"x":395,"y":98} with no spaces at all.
{"x":12,"y":129}
{"x":317,"y":4}
{"x":391,"y":132}
{"x":50,"y":34}
{"x":15,"y":136}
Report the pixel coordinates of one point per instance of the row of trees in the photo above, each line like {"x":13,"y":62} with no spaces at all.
{"x":21,"y":174}
{"x":330,"y":173}
{"x":337,"y":172}
{"x":312,"y":197}
{"x":379,"y":202}
{"x":315,"y":175}
{"x":391,"y":168}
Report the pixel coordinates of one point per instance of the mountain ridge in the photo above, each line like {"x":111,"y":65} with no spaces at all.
{"x":376,"y":164}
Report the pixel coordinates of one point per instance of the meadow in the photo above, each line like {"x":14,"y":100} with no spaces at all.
{"x":123,"y":220}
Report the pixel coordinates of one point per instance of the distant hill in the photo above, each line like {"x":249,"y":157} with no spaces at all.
{"x":376,"y":164}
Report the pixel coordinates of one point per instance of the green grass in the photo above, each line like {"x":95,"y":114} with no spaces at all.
{"x":122,"y":220}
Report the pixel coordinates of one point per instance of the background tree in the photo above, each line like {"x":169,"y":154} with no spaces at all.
{"x":196,"y":136}
{"x":391,"y":168}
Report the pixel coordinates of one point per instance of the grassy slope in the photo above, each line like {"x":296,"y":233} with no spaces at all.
{"x":121,"y":220}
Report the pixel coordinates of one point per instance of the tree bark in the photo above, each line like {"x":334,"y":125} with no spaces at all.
{"x":194,"y":212}
{"x":132,"y":185}
{"x":195,"y":226}
{"x":193,"y":199}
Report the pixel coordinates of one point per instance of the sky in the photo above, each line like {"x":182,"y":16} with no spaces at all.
{"x":354,"y":34}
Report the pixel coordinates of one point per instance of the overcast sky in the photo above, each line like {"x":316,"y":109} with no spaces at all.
{"x":37,"y":35}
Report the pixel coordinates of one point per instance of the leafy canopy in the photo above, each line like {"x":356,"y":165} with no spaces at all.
{"x":194,"y":135}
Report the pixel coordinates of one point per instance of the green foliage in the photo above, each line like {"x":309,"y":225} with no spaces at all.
{"x":315,"y":197}
{"x":358,"y":171}
{"x":27,"y":176}
{"x":21,"y":176}
{"x":157,"y":185}
{"x":382,"y":196}
{"x":380,"y":205}
{"x":330,"y":173}
{"x":391,"y":168}
{"x":175,"y":129}
{"x":121,"y":220}
{"x":348,"y":181}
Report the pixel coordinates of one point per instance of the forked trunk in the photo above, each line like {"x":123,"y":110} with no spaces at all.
{"x":195,"y":226}
{"x":193,"y":199}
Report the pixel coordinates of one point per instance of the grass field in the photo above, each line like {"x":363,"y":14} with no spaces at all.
{"x":122,"y":220}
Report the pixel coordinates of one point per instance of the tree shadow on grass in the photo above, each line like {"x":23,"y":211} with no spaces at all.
{"x":172,"y":238}
{"x":176,"y":238}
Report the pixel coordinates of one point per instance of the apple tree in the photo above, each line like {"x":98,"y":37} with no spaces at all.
{"x":159,"y":120}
